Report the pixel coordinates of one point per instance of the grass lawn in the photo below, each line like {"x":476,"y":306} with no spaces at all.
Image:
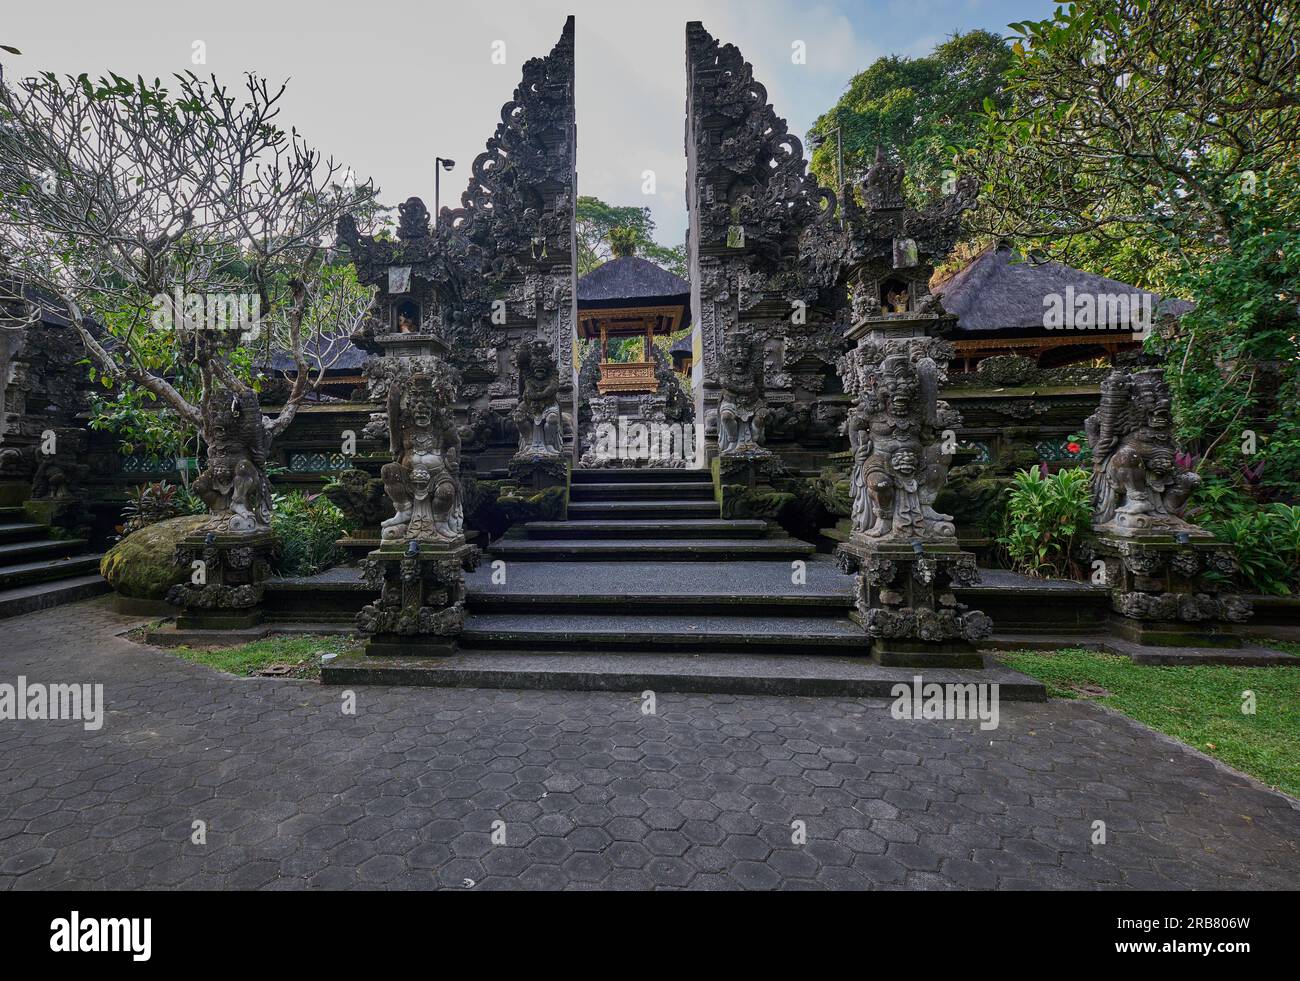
{"x":300,"y":652}
{"x":1201,"y":705}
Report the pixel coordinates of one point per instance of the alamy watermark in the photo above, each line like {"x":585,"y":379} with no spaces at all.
{"x":652,"y":442}
{"x":38,"y":702}
{"x":241,"y":312}
{"x":1083,"y":310}
{"x":950,"y":700}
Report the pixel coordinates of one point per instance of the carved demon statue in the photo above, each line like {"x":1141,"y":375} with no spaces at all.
{"x":899,"y":457}
{"x":234,"y":485}
{"x":538,"y":414}
{"x":742,"y":412}
{"x":423,"y":481}
{"x":1137,"y":485}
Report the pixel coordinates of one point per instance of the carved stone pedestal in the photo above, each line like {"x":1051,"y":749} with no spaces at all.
{"x":538,"y":471}
{"x":903,"y":599}
{"x":421,"y":607}
{"x":1164,"y":592}
{"x":234,"y":571}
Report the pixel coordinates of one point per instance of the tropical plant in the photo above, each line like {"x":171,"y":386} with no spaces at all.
{"x":1266,"y":539}
{"x":1044,"y":517}
{"x":147,"y":504}
{"x":307,"y":528}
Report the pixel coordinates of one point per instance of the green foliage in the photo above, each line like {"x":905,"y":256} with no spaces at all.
{"x":1130,"y":129}
{"x":1045,"y":516}
{"x":1266,"y":539}
{"x":300,"y":653}
{"x":601,"y":226}
{"x":921,"y":108}
{"x":1234,"y":360}
{"x":147,"y":504}
{"x":307,"y":528}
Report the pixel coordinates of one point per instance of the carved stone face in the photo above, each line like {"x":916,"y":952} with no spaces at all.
{"x":904,"y":462}
{"x":422,"y":411}
{"x":1160,"y":464}
{"x":899,"y":385}
{"x":222,"y":474}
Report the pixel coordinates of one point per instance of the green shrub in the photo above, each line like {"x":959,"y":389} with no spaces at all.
{"x":1266,"y":539}
{"x":1044,"y":517}
{"x":307,"y":527}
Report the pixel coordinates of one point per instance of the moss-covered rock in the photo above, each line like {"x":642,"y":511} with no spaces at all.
{"x":143,"y":564}
{"x":742,"y":501}
{"x":975,"y":496}
{"x":493,"y":506}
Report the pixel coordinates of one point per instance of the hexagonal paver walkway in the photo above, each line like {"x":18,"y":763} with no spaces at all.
{"x":464,"y":789}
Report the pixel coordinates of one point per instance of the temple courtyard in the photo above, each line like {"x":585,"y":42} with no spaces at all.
{"x":486,"y":789}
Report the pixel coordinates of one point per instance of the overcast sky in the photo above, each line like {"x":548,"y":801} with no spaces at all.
{"x":387,"y":85}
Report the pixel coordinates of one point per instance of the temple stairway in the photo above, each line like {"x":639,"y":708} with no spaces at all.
{"x":38,"y":571}
{"x":645,"y":587}
{"x":646,"y":564}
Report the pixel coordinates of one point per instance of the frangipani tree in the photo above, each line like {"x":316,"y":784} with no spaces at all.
{"x":182,"y":230}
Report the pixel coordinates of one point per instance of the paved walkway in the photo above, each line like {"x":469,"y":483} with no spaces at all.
{"x":703,"y":794}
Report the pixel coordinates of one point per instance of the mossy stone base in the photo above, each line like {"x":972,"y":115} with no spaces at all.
{"x":892,"y":653}
{"x":143,"y":564}
{"x":397,"y":645}
{"x":219,"y":619}
{"x":1164,"y":633}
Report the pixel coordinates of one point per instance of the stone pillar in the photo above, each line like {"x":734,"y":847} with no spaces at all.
{"x":228,"y":573}
{"x":903,"y":553}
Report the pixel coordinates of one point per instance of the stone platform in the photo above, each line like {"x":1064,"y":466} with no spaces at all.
{"x":713,"y":673}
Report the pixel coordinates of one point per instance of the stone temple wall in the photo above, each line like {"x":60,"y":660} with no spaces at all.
{"x":752,"y":202}
{"x":500,"y":269}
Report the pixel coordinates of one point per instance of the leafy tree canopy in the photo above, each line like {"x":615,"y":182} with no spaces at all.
{"x":603,"y":227}
{"x":918,"y":108}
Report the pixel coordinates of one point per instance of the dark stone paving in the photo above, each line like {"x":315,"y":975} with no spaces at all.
{"x":592,"y":793}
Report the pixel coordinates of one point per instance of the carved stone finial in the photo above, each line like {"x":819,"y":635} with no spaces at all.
{"x":413,"y":220}
{"x":882,"y":190}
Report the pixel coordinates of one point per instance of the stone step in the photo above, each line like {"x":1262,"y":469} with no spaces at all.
{"x":796,"y":602}
{"x":21,"y":531}
{"x":660,"y":529}
{"x":47,"y":570}
{"x":641,"y":476}
{"x":632,"y":550}
{"x":697,"y":490}
{"x":642,"y":510}
{"x":669,"y":673}
{"x":13,"y":514}
{"x":631,"y":632}
{"x":42,"y":596}
{"x":14,"y":553}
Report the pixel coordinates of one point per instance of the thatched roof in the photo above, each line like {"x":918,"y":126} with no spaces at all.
{"x":631,"y":281}
{"x":349,"y":356}
{"x":1000,"y":295}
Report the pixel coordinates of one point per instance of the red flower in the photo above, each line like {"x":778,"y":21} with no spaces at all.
{"x":1073,"y":447}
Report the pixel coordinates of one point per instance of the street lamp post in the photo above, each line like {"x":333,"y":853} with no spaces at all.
{"x":439,"y":165}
